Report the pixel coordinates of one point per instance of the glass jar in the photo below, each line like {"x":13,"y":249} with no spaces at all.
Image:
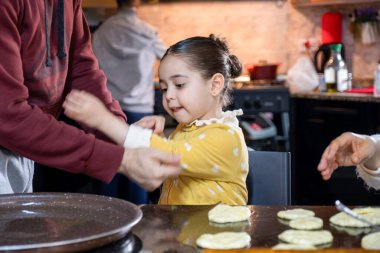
{"x":335,"y":71}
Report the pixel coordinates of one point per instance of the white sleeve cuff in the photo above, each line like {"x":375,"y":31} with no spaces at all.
{"x":368,"y":171}
{"x":137,"y":137}
{"x":371,"y":177}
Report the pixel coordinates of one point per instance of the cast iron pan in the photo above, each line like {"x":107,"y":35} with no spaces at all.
{"x":63,"y":222}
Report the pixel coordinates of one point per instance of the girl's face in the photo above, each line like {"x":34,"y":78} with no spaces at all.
{"x":186,"y":95}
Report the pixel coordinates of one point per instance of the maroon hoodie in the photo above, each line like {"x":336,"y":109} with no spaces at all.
{"x":45,"y":51}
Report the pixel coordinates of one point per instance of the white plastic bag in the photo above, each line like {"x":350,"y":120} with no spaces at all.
{"x":302,"y":76}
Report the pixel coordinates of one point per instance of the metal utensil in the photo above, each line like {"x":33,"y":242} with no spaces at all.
{"x":341,"y":207}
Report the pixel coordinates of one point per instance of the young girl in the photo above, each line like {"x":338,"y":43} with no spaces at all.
{"x":195,"y":80}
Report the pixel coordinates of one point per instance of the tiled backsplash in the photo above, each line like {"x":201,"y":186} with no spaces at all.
{"x":259,"y":30}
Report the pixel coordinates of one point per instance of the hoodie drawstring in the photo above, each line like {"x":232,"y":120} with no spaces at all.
{"x":47,"y":37}
{"x":61,"y":30}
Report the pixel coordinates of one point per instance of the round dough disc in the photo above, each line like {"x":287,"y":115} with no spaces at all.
{"x":371,"y":241}
{"x":317,"y":237}
{"x":224,"y":240}
{"x":295,"y":213}
{"x":344,"y":220}
{"x":223,"y":213}
{"x":306,"y":223}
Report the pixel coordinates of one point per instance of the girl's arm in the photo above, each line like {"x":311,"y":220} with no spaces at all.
{"x":216,"y":152}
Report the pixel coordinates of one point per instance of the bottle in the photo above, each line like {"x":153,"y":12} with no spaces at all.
{"x":335,"y":71}
{"x":376,"y":85}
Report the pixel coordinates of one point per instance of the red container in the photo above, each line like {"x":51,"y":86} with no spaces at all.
{"x":262,"y":71}
{"x":331,"y":27}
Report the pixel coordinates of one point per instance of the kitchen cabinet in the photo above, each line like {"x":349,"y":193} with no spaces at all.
{"x":300,"y":3}
{"x":314,"y":122}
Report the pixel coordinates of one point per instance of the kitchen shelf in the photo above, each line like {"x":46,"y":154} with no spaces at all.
{"x":304,"y":3}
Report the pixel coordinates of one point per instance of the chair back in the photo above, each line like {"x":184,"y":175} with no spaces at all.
{"x":268,"y":180}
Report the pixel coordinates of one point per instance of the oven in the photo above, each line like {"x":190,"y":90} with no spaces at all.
{"x":258,"y":100}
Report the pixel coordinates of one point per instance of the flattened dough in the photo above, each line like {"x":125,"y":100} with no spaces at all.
{"x":317,"y":237}
{"x":306,"y":223}
{"x":344,"y":220}
{"x":223,"y":213}
{"x":224,"y":240}
{"x":295,"y":213}
{"x":285,"y":246}
{"x":371,"y":241}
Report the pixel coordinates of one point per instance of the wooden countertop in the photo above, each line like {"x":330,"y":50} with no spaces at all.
{"x":260,"y":250}
{"x":338,"y":96}
{"x":176,"y":228}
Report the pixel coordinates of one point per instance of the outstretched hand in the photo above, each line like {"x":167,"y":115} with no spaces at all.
{"x":349,"y":149}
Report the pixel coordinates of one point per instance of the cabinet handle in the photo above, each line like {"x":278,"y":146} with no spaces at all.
{"x":316,"y":121}
{"x":335,"y":110}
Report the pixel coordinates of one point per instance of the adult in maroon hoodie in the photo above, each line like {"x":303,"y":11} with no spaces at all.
{"x":45,"y":51}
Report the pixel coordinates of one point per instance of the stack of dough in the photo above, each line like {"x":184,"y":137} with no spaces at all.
{"x":302,"y":238}
{"x":301,"y":219}
{"x":223,"y":213}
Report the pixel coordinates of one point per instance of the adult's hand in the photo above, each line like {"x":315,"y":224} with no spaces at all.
{"x":154,"y":122}
{"x":349,"y":149}
{"x":149,"y":167}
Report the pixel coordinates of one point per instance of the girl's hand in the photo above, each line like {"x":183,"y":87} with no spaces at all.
{"x":154,"y":122}
{"x":85,"y":108}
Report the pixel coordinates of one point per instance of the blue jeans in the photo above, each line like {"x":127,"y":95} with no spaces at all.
{"x":121,"y":186}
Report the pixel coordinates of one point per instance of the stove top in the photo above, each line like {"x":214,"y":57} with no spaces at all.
{"x":265,"y":97}
{"x":128,"y":244}
{"x":259,"y":84}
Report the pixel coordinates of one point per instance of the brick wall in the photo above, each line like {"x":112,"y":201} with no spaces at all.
{"x":258,"y":30}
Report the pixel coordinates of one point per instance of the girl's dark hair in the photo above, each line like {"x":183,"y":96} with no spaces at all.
{"x":209,"y":55}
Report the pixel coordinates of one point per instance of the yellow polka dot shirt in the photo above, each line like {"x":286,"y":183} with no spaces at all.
{"x":214,"y":161}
